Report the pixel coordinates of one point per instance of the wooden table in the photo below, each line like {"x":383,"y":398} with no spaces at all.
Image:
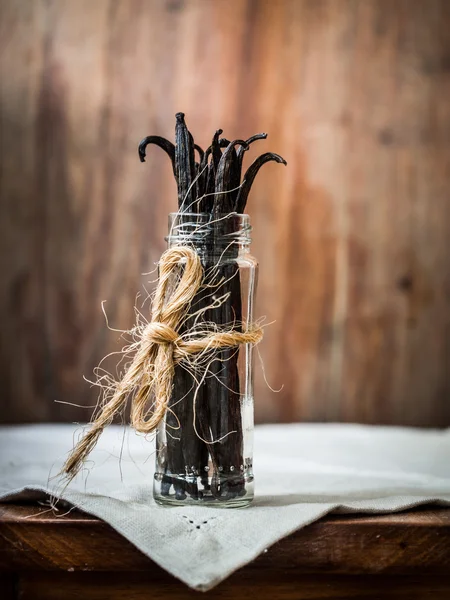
{"x":405,"y":555}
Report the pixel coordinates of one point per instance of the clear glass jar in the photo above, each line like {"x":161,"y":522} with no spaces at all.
{"x":204,"y":446}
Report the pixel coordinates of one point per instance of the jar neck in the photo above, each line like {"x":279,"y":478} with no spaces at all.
{"x":227,"y":235}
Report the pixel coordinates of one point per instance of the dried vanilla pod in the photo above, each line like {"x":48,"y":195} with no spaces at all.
{"x":242,"y":150}
{"x":167,"y":146}
{"x":215,"y":149}
{"x":184,"y":163}
{"x":250,"y":175}
{"x":227,"y":179}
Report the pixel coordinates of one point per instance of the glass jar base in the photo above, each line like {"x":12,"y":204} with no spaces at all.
{"x":229,"y":492}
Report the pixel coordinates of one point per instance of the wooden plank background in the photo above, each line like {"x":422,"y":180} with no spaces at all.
{"x":352,"y":236}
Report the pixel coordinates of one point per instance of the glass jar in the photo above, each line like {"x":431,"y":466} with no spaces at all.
{"x":204,"y":445}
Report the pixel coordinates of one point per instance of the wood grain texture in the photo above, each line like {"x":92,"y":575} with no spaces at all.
{"x":279,"y":586}
{"x":352,"y":237}
{"x":414,"y":542}
{"x":405,"y":555}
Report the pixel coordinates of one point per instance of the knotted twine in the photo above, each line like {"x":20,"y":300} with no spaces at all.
{"x":160,"y":348}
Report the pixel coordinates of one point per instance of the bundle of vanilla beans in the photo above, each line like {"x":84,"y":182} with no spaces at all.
{"x":209,"y":182}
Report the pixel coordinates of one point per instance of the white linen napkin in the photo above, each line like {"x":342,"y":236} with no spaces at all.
{"x":302,"y":472}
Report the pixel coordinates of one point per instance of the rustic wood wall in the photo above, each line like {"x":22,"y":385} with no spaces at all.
{"x":353,"y":237}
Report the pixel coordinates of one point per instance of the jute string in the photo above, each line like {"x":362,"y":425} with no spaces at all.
{"x":161,"y":347}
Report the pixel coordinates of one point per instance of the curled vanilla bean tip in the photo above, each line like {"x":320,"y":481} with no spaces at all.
{"x":242,"y":149}
{"x":251,"y":139}
{"x":257,"y":136}
{"x":210,"y":148}
{"x":162,"y":143}
{"x":250,"y":175}
{"x":215,"y":148}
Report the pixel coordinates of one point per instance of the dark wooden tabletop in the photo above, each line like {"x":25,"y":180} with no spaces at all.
{"x":403,"y":555}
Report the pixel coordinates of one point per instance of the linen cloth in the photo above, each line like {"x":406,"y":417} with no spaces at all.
{"x":302,"y":472}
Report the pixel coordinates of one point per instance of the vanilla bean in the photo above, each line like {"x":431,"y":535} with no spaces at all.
{"x":227,"y":179}
{"x":208,"y":201}
{"x":242,"y":149}
{"x":250,"y":175}
{"x":200,"y":178}
{"x":208,"y":173}
{"x":175,"y":417}
{"x":185,"y":449}
{"x":184,"y":163}
{"x":215,"y":149}
{"x":167,"y":146}
{"x":223,"y":393}
{"x":187,"y":454}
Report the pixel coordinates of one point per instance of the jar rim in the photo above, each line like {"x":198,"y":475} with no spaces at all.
{"x":207,"y":214}
{"x":198,"y":227}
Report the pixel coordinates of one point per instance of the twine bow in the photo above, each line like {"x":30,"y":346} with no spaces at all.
{"x":160,"y":348}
